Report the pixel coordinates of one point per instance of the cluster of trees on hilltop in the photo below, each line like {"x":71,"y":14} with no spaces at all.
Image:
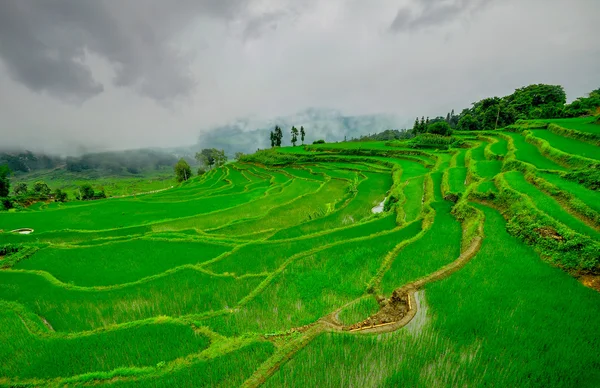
{"x":277,"y":135}
{"x":207,"y":158}
{"x":537,"y":101}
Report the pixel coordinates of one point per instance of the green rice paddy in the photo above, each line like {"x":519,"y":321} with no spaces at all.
{"x":252,"y":274}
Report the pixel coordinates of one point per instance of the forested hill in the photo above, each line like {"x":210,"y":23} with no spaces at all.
{"x":537,"y":101}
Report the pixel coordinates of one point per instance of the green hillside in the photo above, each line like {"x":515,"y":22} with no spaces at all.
{"x":471,"y":260}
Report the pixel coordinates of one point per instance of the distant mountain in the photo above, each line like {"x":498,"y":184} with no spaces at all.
{"x":248,"y":135}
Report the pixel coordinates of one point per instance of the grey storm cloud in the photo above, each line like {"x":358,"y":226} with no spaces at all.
{"x":426,"y":13}
{"x":43,"y":44}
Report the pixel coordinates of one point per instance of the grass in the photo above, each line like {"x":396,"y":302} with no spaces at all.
{"x":224,"y":279}
{"x":119,"y":262}
{"x":583,"y":124}
{"x":428,"y":253}
{"x":568,"y":145}
{"x":26,"y":355}
{"x":70,"y":309}
{"x":499,"y":321}
{"x":549,"y":205}
{"x":530,"y":154}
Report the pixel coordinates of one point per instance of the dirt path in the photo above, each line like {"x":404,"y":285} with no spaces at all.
{"x":401,"y":307}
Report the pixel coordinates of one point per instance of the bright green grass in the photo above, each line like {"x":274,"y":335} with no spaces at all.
{"x":301,"y":210}
{"x":477,"y":153}
{"x":259,"y":257}
{"x":568,"y":145}
{"x":583,"y":124}
{"x":304,"y":174}
{"x":486,"y":186}
{"x":358,"y":311}
{"x":120,"y":262}
{"x":257,"y":208}
{"x":500,"y":147}
{"x":439,"y":246}
{"x":530,"y":154}
{"x":456,"y":179}
{"x":549,"y":205}
{"x":229,"y":370}
{"x":436,"y":177}
{"x":26,"y":355}
{"x":505,"y":319}
{"x":488,"y":168}
{"x":180,"y":293}
{"x":119,"y":213}
{"x":370,"y":193}
{"x":413,"y":192}
{"x":313,"y":286}
{"x":460,"y":158}
{"x":587,"y":196}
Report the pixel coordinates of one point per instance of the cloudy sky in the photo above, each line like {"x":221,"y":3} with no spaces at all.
{"x":108,"y":74}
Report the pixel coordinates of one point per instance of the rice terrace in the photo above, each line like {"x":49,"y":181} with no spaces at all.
{"x":372,"y":263}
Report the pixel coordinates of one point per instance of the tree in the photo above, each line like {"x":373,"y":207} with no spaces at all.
{"x":183,"y":172}
{"x":238,"y":156}
{"x":20,"y":189}
{"x":206,"y":157}
{"x":219,"y":157}
{"x":416,"y":126}
{"x":294,"y":136}
{"x":302,"y":134}
{"x":86,"y":192}
{"x":440,"y":128}
{"x":422,"y":126}
{"x":277,"y":136}
{"x":60,"y":196}
{"x":272,"y":139}
{"x":467,"y":123}
{"x":4,"y":181}
{"x":41,"y":188}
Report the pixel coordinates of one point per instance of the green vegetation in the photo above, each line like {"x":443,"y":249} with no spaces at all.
{"x":449,"y":258}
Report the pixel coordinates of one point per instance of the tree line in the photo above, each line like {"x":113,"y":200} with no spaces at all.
{"x":208,"y":158}
{"x":538,"y":101}
{"x":277,"y":135}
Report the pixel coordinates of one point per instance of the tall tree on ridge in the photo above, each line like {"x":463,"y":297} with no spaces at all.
{"x":302,"y":133}
{"x":294,"y":136}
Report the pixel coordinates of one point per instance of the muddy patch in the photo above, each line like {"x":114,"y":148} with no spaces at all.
{"x":591,"y":281}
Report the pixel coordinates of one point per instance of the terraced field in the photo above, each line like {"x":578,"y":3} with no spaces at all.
{"x":348,"y":264}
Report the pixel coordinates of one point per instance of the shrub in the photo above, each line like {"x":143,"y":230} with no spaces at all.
{"x":320,"y":141}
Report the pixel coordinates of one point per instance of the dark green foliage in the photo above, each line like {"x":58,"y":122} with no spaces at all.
{"x":41,"y":189}
{"x":86,"y":192}
{"x":20,"y":189}
{"x":4,"y":181}
{"x":320,"y":141}
{"x":183,"y":172}
{"x":441,"y":128}
{"x":584,"y":105}
{"x":302,"y":134}
{"x":60,"y":196}
{"x":277,"y":137}
{"x":294,"y":132}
